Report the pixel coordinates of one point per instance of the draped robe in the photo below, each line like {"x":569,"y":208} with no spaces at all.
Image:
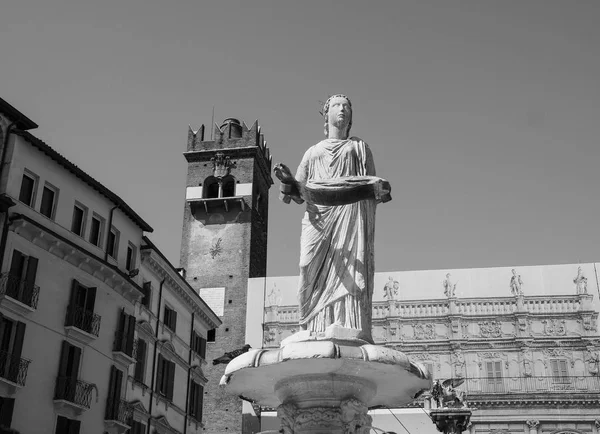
{"x":337,"y":255}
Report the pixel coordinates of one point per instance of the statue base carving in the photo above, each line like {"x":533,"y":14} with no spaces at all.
{"x":334,"y":333}
{"x":451,"y":420}
{"x":320,"y":386}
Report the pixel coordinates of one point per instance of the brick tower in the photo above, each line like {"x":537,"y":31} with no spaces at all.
{"x":224,"y":243}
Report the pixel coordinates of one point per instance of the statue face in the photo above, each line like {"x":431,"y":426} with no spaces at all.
{"x":340,"y":112}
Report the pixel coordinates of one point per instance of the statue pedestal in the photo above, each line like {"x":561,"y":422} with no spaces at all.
{"x":321,"y":386}
{"x":451,"y":420}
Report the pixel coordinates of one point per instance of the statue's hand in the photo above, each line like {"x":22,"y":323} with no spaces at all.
{"x":284,"y":174}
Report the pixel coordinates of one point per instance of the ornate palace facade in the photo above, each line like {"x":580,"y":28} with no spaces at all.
{"x":526,"y":341}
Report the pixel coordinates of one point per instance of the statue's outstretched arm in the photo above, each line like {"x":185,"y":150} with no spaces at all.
{"x":290,"y":188}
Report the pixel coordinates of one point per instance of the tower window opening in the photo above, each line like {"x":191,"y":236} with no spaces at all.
{"x":219,"y":187}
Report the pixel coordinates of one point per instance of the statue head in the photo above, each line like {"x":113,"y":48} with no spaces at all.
{"x":338,"y":111}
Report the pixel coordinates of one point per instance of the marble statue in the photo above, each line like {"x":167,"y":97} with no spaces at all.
{"x":449,"y":287}
{"x":446,"y":391}
{"x":516,"y":284}
{"x":580,"y":282}
{"x":390,"y":290}
{"x":336,"y":178}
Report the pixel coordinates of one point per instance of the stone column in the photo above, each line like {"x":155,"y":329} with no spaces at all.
{"x":349,"y":418}
{"x":533,"y":426}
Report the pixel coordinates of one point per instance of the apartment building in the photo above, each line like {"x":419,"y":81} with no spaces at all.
{"x":83,"y":297}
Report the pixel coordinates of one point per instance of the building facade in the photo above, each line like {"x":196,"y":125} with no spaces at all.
{"x":224,"y":247}
{"x":525,"y":341}
{"x":78,"y":300}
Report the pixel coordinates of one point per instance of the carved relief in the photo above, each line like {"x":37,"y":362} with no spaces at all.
{"x":524,"y":326}
{"x":527,"y":362}
{"x":458,"y":361}
{"x":424,"y":331}
{"x":593,"y":361}
{"x":490,"y":329}
{"x":269,"y":335}
{"x":494,"y":355}
{"x":588,"y":323}
{"x":557,"y":352}
{"x":351,"y":416}
{"x":222,"y":165}
{"x":533,"y":424}
{"x":554,"y":327}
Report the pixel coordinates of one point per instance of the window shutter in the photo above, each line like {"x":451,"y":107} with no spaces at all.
{"x":555,"y":370}
{"x":159,"y":373}
{"x":200,"y":402}
{"x":64,"y":358}
{"x":202,"y":347}
{"x":76,"y":360}
{"x":498,"y":370}
{"x":32,"y":265}
{"x":130,"y":334}
{"x":74,"y":426}
{"x":563,"y":368}
{"x":16,"y":266}
{"x":171,"y":381}
{"x":91,"y":299}
{"x":140,"y":366}
{"x":19,"y":337}
{"x":74,"y":290}
{"x":6,"y":411}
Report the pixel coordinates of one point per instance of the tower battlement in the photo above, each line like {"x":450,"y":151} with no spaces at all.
{"x":230,"y":134}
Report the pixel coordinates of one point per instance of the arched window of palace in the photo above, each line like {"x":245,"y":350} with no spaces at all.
{"x":216,"y":188}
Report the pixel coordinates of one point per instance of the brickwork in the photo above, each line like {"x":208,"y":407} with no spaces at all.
{"x":223,"y":248}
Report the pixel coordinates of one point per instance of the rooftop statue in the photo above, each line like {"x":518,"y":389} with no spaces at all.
{"x":336,"y":178}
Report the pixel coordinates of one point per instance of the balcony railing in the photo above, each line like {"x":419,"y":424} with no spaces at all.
{"x":123,"y":344}
{"x":118,"y":410}
{"x":13,"y":369}
{"x":83,"y":319}
{"x":20,"y":290}
{"x":531,"y":385}
{"x":75,"y":391}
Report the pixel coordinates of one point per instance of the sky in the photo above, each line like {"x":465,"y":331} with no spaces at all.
{"x":483,"y":115}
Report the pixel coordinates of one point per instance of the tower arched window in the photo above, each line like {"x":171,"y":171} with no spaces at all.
{"x":228,"y":186}
{"x":219,"y":187}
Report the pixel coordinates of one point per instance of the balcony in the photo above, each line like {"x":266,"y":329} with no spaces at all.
{"x":124,"y":349}
{"x":117,"y":416}
{"x":82,"y":325}
{"x":13,"y":372}
{"x":488,"y":390}
{"x":74,"y":394}
{"x":17,"y":295}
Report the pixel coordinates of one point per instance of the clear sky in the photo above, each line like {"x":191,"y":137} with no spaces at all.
{"x":483,"y":115}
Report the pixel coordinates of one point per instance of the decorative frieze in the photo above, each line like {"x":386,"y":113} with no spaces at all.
{"x":554,"y":327}
{"x":490,"y":329}
{"x":424,"y":331}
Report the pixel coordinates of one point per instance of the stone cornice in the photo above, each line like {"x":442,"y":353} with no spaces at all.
{"x":180,"y":287}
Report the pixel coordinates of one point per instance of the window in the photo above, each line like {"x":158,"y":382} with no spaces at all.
{"x":67,"y":426}
{"x":96,"y":230}
{"x":80,"y":312}
{"x":125,"y":334}
{"x":140,"y":361}
{"x":113,"y":243}
{"x":113,"y":400}
{"x":560,"y":373}
{"x":147,"y":291}
{"x":198,"y":344}
{"x":137,"y":428}
{"x":196,"y":397}
{"x":6,"y":411}
{"x":130,"y":261}
{"x":12,"y":334}
{"x":170,"y":318}
{"x":219,"y":187}
{"x":21,"y":282}
{"x":68,"y":371}
{"x":211,"y":335}
{"x":165,"y":377}
{"x":494,"y":375}
{"x":48,"y":205}
{"x":27,"y":193}
{"x":79,"y":216}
